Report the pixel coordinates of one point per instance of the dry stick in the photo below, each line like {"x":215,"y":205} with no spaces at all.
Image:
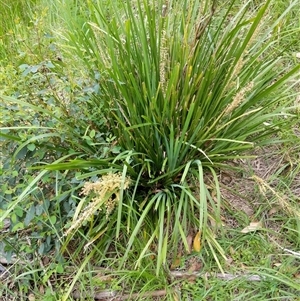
{"x":296,"y":254}
{"x":188,"y":275}
{"x":103,"y":295}
{"x":113,"y":295}
{"x":179,"y":274}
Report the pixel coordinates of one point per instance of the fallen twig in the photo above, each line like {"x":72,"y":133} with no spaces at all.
{"x":297,"y":254}
{"x":225,"y":276}
{"x":117,"y":296}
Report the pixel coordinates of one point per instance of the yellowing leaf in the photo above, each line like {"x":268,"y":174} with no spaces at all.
{"x":176,"y":263}
{"x":176,"y":297}
{"x":197,"y":242}
{"x":254,"y":226}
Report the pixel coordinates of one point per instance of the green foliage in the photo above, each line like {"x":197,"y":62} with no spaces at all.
{"x":271,"y":288}
{"x":163,"y":95}
{"x":182,"y":94}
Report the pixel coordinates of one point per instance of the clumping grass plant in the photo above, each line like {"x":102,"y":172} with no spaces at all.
{"x":184,"y":88}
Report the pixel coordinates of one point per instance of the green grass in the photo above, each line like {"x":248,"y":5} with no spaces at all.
{"x":52,"y":113}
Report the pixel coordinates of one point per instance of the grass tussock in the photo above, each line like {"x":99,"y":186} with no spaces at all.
{"x":149,"y":149}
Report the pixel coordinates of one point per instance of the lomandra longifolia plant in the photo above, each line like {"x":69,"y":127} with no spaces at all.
{"x":185,"y":87}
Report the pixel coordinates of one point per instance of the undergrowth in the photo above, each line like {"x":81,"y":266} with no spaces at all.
{"x":128,"y":138}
